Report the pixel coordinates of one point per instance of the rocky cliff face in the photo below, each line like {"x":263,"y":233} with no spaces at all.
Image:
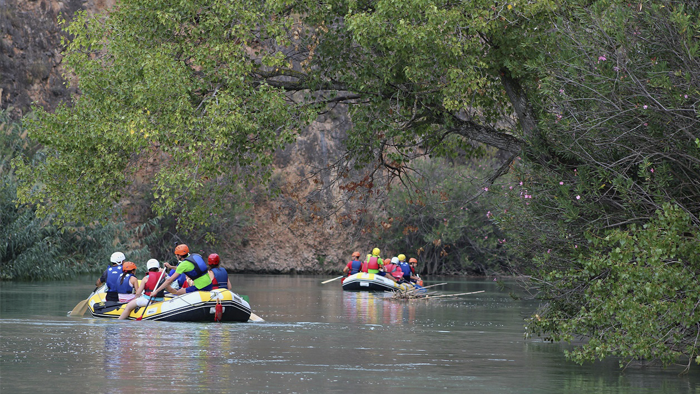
{"x":30,"y":58}
{"x":293,"y":233}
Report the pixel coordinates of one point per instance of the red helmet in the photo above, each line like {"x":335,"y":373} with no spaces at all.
{"x":213,"y":259}
{"x":128,"y":266}
{"x":356,"y":254}
{"x":182,"y":250}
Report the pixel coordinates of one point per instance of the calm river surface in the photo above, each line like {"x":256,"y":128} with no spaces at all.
{"x":316,"y":339}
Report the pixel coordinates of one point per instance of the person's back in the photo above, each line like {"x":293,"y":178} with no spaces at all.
{"x":373,"y":262}
{"x":127,"y":283}
{"x":354,"y":266}
{"x":219,"y":274}
{"x":405,"y":267}
{"x":111,"y":275}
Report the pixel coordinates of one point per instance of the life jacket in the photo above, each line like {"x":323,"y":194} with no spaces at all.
{"x":200,"y":267}
{"x":371,"y":264}
{"x":355,"y":267}
{"x":394,"y":270}
{"x":406,"y":269}
{"x":153,"y":283}
{"x":123,"y":285}
{"x":220,"y":277}
{"x":113,"y":274}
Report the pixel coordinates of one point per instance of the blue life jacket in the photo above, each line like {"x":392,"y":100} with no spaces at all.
{"x":113,"y":274}
{"x":221,"y":276}
{"x":406,"y":268}
{"x":200,"y":267}
{"x":123,"y":286}
{"x":355,"y":267}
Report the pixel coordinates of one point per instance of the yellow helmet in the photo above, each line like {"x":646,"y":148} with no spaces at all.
{"x":402,"y":257}
{"x":376,"y":251}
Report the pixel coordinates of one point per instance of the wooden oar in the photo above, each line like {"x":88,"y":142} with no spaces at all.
{"x":455,"y":295}
{"x":82,"y":306}
{"x":152,"y":296}
{"x":331,"y":280}
{"x":439,"y":284}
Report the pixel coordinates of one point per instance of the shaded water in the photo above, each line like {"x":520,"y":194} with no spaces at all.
{"x":316,"y":338}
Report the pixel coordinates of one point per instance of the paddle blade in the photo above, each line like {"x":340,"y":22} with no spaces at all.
{"x":256,"y":318}
{"x":80,"y":309}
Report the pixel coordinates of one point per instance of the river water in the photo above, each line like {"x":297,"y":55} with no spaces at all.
{"x":315,"y":339}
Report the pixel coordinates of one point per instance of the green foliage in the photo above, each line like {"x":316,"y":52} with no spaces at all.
{"x":163,"y":81}
{"x":619,"y":130}
{"x":637,"y":294}
{"x":436,"y":219}
{"x":33,"y":248}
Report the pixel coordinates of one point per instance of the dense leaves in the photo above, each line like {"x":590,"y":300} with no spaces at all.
{"x":433,"y":220}
{"x":34,"y":248}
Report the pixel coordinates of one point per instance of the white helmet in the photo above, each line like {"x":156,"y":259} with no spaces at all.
{"x":394,"y":260}
{"x":152,"y":263}
{"x":117,"y":257}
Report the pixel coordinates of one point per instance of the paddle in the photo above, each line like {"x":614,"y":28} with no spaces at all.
{"x":331,"y":280}
{"x":152,"y":296}
{"x":455,"y":295}
{"x":82,"y":306}
{"x":255,"y":317}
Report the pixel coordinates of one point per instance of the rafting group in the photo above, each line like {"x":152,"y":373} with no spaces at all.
{"x":396,"y":268}
{"x":192,"y":290}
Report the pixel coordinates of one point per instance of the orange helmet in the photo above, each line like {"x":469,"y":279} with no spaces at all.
{"x":412,"y":260}
{"x":356,"y":254}
{"x":128,"y":266}
{"x":387,"y":261}
{"x":182,"y":250}
{"x":213,"y":259}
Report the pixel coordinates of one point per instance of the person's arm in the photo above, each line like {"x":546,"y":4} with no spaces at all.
{"x":102,"y":279}
{"x":228,"y":281}
{"x":166,"y":284}
{"x":134,"y":282}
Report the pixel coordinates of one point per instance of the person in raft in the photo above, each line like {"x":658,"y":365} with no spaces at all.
{"x":393,"y":269}
{"x":218,"y":275}
{"x":409,"y":272}
{"x":111,"y":276}
{"x":374,"y":264}
{"x":193,"y":266}
{"x":127,"y":282}
{"x":145,"y":289}
{"x":354,"y":266}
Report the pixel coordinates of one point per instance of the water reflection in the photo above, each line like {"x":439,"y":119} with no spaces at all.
{"x":377,"y":308}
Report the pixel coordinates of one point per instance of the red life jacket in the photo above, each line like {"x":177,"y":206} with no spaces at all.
{"x":371,"y":264}
{"x":394,"y":270}
{"x":153,"y":283}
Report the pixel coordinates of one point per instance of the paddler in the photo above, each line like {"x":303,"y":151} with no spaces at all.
{"x":193,"y":266}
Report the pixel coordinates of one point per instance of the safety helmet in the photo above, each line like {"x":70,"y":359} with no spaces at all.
{"x":128,"y":266}
{"x":402,"y":257}
{"x":182,"y":250}
{"x":152,"y":263}
{"x":356,"y":254}
{"x":394,"y":260}
{"x":376,"y":251}
{"x":213,"y":259}
{"x":412,"y":260}
{"x":387,"y":261}
{"x":117,"y":257}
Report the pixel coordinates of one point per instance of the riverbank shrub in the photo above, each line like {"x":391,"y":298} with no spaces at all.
{"x":33,"y":248}
{"x":440,"y":215}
